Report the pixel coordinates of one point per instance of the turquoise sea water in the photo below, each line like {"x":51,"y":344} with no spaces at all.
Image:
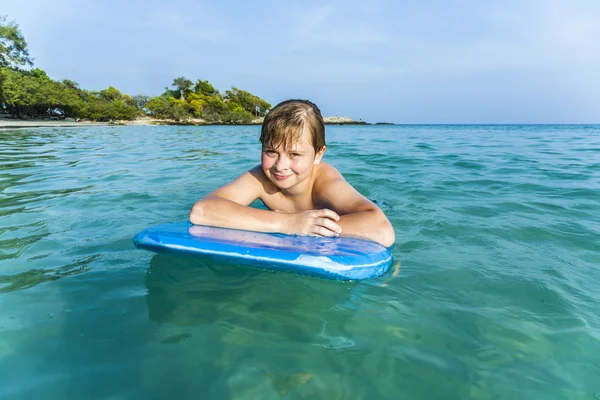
{"x":497,"y":296}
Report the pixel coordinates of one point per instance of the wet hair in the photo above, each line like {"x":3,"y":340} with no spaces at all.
{"x":285,"y":123}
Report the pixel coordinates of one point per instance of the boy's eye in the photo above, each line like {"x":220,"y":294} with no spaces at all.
{"x":295,"y":154}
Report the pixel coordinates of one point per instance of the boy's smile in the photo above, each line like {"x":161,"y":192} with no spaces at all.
{"x":281,"y":177}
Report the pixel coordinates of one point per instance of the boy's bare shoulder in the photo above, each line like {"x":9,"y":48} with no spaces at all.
{"x":257,"y":172}
{"x":265,"y":184}
{"x":328,"y":178}
{"x":327,"y":173}
{"x":337,"y":194}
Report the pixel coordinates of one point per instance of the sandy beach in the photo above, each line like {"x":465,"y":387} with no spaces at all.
{"x":9,"y":124}
{"x":6,"y":123}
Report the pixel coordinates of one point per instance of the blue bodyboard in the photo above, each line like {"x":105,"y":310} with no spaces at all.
{"x":340,"y":258}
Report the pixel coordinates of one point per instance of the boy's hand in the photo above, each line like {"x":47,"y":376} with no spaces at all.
{"x":313,"y":223}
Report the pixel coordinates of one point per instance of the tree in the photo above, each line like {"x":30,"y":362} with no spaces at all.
{"x":196,"y":102}
{"x":235,"y":113}
{"x":13,"y":47}
{"x":70,"y":84}
{"x":140,"y":100}
{"x":158,"y":106}
{"x":205,"y":88}
{"x":249,"y":102}
{"x":111,"y":94}
{"x":29,"y":93}
{"x":183,"y":85}
{"x":33,"y":94}
{"x":168,"y":107}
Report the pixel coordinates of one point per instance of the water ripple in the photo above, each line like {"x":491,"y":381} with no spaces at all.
{"x":494,"y":294}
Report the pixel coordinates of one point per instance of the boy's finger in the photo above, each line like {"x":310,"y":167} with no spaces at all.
{"x":325,"y":212}
{"x":329,"y":224}
{"x":324,"y":232}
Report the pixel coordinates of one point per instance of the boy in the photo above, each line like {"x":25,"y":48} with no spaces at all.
{"x":304,"y":195}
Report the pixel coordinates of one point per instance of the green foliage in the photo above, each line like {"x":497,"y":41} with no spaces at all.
{"x":99,"y":109}
{"x":110,"y":94}
{"x":179,"y":110}
{"x":139,"y":101}
{"x":249,"y":102}
{"x":196,"y":103}
{"x":213,"y":109}
{"x":204,"y":101}
{"x":70,"y":84}
{"x":236,"y":113}
{"x":176,"y":94}
{"x":205,"y":88}
{"x":13,"y":47}
{"x":158,"y":106}
{"x":38,"y":74}
{"x":32,"y":93}
{"x":182,"y":85}
{"x":236,"y":116}
{"x":168,"y":108}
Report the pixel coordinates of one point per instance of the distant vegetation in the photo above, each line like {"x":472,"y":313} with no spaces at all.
{"x":202,"y":100}
{"x":27,"y":92}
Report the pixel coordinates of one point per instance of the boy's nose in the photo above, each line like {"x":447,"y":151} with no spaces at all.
{"x":282,"y":163}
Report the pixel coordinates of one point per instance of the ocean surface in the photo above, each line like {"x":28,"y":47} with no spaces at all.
{"x":495,"y":295}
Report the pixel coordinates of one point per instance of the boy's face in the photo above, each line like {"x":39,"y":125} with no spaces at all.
{"x":288,"y":167}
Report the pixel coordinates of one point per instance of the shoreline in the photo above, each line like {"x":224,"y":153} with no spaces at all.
{"x":6,"y":123}
{"x":9,"y":123}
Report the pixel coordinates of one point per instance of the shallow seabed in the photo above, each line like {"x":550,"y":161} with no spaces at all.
{"x":497,"y":295}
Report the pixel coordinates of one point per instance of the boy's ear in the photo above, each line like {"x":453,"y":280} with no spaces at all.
{"x":319,"y":155}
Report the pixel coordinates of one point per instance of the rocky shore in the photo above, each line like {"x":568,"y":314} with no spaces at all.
{"x":342,"y":121}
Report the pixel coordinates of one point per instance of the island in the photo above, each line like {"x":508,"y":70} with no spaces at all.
{"x":30,"y":98}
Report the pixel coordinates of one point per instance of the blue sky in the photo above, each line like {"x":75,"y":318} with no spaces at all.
{"x":469,"y":61}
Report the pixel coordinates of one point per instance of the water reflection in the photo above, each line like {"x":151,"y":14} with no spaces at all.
{"x":257,"y":321}
{"x":186,"y":291}
{"x":247,"y":302}
{"x":33,"y":277}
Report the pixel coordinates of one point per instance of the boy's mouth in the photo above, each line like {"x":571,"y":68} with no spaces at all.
{"x":281,"y":177}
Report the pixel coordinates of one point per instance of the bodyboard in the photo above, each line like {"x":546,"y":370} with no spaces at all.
{"x":340,"y":258}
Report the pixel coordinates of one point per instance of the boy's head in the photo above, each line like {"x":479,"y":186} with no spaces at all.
{"x":285,"y":123}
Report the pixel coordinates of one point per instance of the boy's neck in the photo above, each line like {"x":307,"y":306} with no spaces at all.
{"x":302,"y":190}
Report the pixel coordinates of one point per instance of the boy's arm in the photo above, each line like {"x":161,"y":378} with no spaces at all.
{"x":359,"y":217}
{"x":227,"y":207}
